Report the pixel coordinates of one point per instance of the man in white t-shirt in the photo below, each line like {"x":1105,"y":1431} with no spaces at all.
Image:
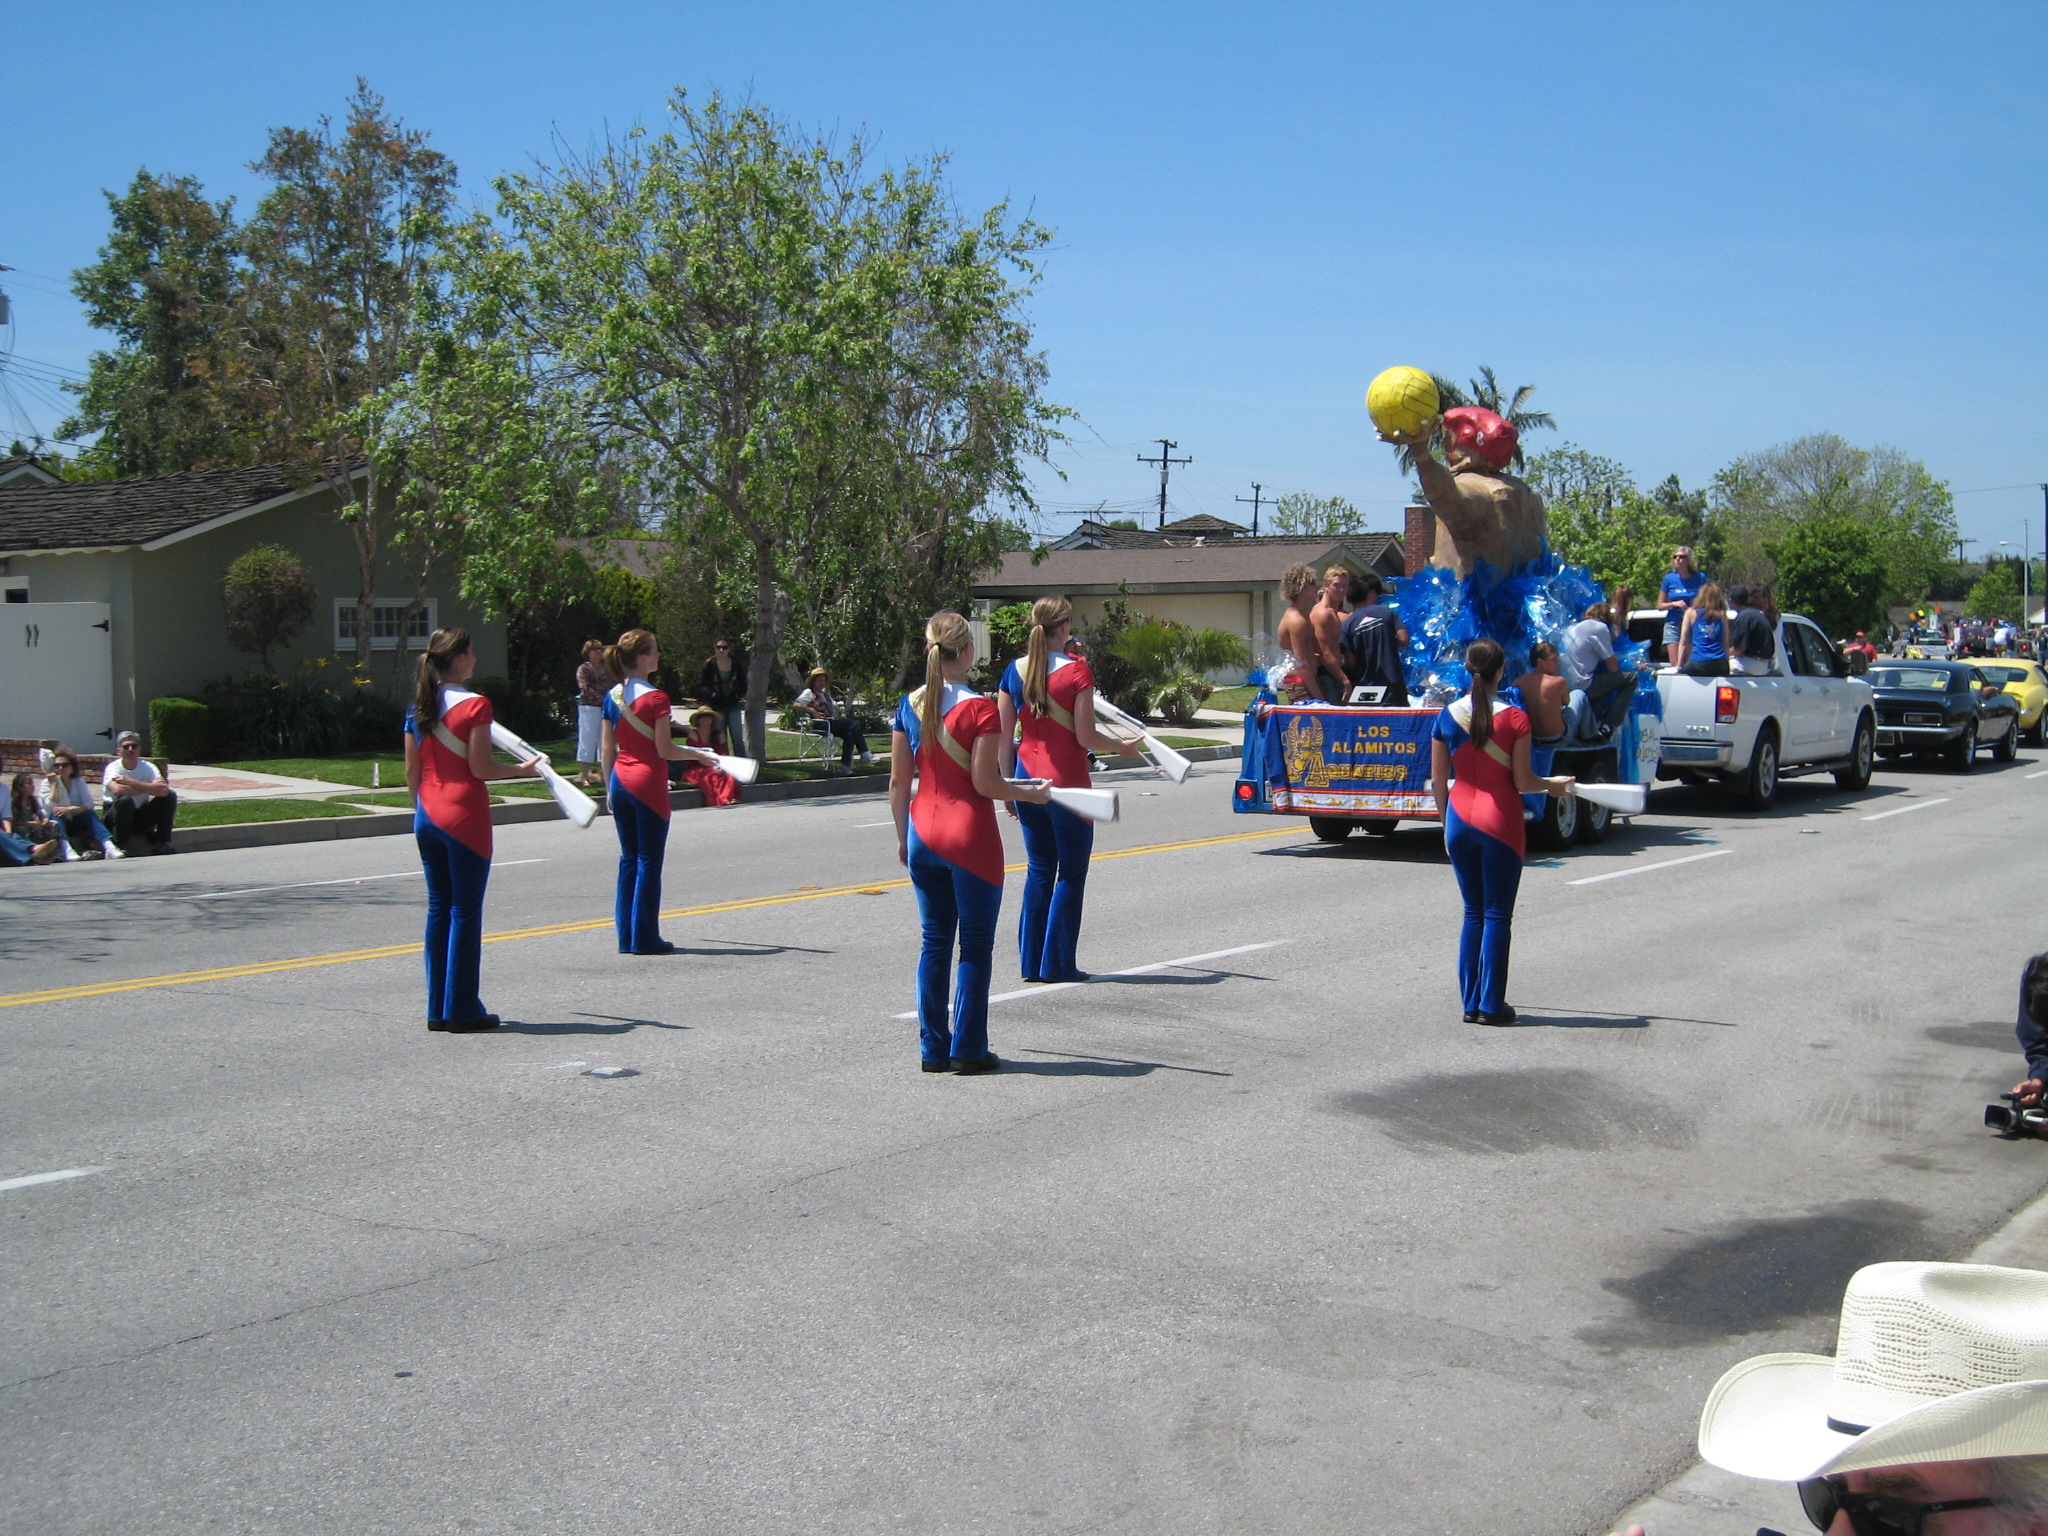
{"x":1601,"y":691}
{"x":136,"y":798}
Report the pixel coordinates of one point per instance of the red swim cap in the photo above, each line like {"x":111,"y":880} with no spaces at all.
{"x":1486,"y":434}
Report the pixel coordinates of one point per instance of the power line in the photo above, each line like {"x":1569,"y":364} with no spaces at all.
{"x":1256,"y":498}
{"x":1165,"y":461}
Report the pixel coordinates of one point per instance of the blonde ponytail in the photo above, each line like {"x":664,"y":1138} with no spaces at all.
{"x":946,"y":635}
{"x":1483,"y":659}
{"x":633,"y":644}
{"x":1047,"y":614}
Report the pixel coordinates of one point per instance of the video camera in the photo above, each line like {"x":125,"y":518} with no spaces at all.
{"x":2012,"y":1122}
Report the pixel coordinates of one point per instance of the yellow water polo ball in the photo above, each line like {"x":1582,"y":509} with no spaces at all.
{"x":1401,"y":399}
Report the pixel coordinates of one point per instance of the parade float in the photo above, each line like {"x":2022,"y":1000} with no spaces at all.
{"x":1489,"y":572}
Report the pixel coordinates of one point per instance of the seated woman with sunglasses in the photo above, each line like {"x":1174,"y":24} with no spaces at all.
{"x":67,"y":800}
{"x":1930,"y":1419}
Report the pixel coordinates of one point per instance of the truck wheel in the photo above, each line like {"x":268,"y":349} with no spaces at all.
{"x":1962,"y":757}
{"x":1758,"y":786}
{"x":1595,"y":821}
{"x":1383,"y":827}
{"x":2008,"y":746}
{"x":1857,"y":775}
{"x":1331,"y":829}
{"x":1554,"y":830}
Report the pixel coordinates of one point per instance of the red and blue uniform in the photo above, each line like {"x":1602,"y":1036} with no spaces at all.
{"x":451,"y":822}
{"x":956,"y":865}
{"x":640,"y":812}
{"x":1484,"y":837}
{"x":1057,"y":843}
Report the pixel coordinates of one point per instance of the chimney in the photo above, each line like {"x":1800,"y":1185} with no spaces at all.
{"x":1418,"y":537}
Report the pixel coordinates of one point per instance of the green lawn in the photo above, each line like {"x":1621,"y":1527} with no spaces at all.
{"x":229,"y":813}
{"x":1232,"y":700}
{"x":354,"y":767}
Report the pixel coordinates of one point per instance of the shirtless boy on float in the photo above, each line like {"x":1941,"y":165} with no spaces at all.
{"x":1297,"y":637}
{"x":1544,"y":692}
{"x":1327,"y":620}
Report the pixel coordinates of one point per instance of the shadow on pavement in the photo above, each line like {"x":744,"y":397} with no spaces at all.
{"x":1095,"y":1066}
{"x":1594,"y":1018}
{"x":613,"y":1025}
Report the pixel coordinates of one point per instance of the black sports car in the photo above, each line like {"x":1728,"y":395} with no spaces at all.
{"x":1925,"y":707}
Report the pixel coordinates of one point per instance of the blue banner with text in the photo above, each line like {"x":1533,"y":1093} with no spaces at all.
{"x":1358,"y":762}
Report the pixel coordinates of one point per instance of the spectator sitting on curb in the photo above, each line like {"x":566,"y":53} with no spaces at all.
{"x":1932,"y":1404}
{"x":18,"y":844}
{"x":67,"y":800}
{"x":26,"y":820}
{"x":135,"y":798}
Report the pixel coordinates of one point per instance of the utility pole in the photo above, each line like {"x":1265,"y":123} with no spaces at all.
{"x":1165,"y":461}
{"x":1259,"y":499}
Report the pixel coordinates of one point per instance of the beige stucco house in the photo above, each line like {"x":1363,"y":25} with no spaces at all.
{"x":1200,"y":576}
{"x":110,"y":593}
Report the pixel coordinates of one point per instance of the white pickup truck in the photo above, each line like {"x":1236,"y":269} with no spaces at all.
{"x":1807,"y":715}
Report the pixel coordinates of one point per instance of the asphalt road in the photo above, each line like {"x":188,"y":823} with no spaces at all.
{"x":1262,"y":1242}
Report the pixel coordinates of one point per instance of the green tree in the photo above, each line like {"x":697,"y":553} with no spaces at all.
{"x":1599,"y":519}
{"x":822,"y":361}
{"x":1760,"y":497}
{"x":337,"y":265}
{"x":1303,"y":514}
{"x":267,"y":596}
{"x":160,"y":285}
{"x":1995,"y":594}
{"x":1832,"y":569}
{"x":1171,"y":661}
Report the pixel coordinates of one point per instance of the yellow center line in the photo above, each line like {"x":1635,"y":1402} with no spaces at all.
{"x":582,"y":925}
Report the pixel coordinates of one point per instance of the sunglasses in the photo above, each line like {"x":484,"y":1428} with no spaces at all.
{"x":1872,"y":1514}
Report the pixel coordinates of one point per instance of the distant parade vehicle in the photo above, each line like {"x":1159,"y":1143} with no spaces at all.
{"x":1949,"y":708}
{"x":2025,"y":681}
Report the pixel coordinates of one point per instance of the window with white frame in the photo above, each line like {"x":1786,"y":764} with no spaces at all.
{"x":386,"y":619}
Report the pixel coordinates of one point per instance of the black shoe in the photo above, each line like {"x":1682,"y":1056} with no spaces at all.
{"x":163,"y":848}
{"x":1505,"y":1016}
{"x":663,"y":948}
{"x":469,"y":1026}
{"x":988,"y":1063}
{"x":437,"y":1026}
{"x":1473,"y":1016}
{"x":1068,"y":979}
{"x":935,"y":1066}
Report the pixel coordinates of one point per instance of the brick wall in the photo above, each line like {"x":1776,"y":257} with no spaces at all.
{"x":1418,"y":537}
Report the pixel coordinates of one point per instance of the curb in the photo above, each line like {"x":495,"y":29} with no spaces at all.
{"x":321,"y":829}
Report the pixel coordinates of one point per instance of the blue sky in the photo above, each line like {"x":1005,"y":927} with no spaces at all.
{"x":1699,"y":230}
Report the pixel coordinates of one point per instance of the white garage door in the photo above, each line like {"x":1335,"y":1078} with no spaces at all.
{"x":57,"y":673}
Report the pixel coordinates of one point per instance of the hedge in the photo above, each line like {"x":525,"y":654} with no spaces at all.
{"x":183,"y":730}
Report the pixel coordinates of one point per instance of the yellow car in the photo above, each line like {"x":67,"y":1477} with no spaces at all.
{"x":2025,"y":681}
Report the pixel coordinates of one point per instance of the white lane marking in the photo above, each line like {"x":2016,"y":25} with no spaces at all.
{"x":300,"y":885}
{"x":1644,"y":869}
{"x":549,"y":1066}
{"x":2043,"y":774}
{"x":48,"y":1178}
{"x":859,"y":824}
{"x":1903,"y":809}
{"x":1136,"y":970}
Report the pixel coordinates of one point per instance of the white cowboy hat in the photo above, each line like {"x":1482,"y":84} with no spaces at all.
{"x":1934,"y":1362}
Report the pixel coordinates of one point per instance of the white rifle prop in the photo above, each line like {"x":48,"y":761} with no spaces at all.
{"x":1088,"y":804}
{"x":575,"y":804}
{"x":743,"y":769}
{"x":1626,"y":799}
{"x":1164,"y":758}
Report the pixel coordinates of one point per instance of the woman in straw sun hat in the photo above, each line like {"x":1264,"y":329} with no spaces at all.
{"x":1933,"y":1406}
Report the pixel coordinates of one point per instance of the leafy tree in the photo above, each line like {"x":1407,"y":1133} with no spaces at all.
{"x":268,"y":597}
{"x":1759,"y":498}
{"x":827,"y":365}
{"x":1009,"y":631}
{"x":1171,"y":661}
{"x":160,"y":285}
{"x":1128,"y":524}
{"x":1996,"y":594}
{"x":328,"y":308}
{"x":1308,"y":516}
{"x":1599,"y":519}
{"x":1116,"y":679}
{"x":1832,"y":569}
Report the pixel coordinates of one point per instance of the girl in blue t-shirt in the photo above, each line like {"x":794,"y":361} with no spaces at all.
{"x":1703,"y":641}
{"x":1682,"y":584}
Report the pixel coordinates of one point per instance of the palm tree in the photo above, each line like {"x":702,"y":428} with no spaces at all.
{"x":1170,"y":659}
{"x":1485,"y":391}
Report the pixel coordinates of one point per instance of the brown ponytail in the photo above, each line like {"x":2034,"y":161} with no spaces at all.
{"x":442,"y":649}
{"x":633,"y":644}
{"x":1047,"y":614}
{"x":946,"y":635}
{"x":1483,"y":659}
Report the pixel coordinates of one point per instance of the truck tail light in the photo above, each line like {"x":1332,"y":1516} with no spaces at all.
{"x":1727,"y":704}
{"x":1244,"y":790}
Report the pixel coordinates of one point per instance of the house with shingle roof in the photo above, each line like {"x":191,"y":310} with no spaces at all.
{"x":1205,"y":580}
{"x":112,"y":593}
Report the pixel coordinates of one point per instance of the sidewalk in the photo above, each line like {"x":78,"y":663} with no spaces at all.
{"x":195,"y":782}
{"x":1709,"y":1502}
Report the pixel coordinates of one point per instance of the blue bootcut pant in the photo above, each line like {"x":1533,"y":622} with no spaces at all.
{"x":1056,"y":848}
{"x":643,"y":844}
{"x":456,"y":877}
{"x":950,"y":901}
{"x":1489,"y":874}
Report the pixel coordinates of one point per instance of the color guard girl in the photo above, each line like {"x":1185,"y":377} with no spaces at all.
{"x":947,"y":737}
{"x":637,"y":748}
{"x":447,"y":763}
{"x":1053,"y":694}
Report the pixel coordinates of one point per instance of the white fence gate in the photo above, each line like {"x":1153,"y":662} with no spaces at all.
{"x":57,"y":673}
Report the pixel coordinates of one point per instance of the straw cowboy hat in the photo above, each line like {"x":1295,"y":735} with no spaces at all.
{"x":1934,"y":1362}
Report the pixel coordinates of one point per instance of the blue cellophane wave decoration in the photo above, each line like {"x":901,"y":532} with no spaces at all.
{"x":1444,"y":613}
